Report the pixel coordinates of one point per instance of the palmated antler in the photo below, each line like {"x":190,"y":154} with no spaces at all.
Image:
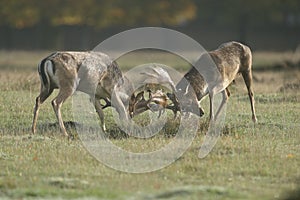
{"x":160,"y":75}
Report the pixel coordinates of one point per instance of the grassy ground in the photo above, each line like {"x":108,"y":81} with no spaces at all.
{"x":248,"y":162}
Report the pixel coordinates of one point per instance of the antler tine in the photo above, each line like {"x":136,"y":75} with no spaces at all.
{"x":139,"y":96}
{"x":107,"y":103}
{"x":153,"y":75}
{"x":149,"y":74}
{"x":166,"y":75}
{"x":156,"y":69}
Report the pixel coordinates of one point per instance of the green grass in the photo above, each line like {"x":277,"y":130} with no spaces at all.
{"x":248,"y":162}
{"x":28,"y":60}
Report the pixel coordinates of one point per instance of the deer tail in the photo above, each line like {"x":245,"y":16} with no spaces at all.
{"x":46,"y":69}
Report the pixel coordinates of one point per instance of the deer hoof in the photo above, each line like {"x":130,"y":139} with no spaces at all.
{"x":254,"y":119}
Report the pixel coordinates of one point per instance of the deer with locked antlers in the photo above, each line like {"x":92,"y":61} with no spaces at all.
{"x":229,"y":59}
{"x":93,"y":73}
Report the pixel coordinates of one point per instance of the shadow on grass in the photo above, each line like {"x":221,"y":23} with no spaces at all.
{"x":169,"y":130}
{"x":195,"y":192}
{"x":293,"y":195}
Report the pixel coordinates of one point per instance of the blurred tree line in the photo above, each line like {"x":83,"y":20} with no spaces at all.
{"x":96,"y":13}
{"x":51,"y":23}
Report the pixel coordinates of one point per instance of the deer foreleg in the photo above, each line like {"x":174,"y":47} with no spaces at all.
{"x":99,"y":111}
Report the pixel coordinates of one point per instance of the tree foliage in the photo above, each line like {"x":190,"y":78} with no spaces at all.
{"x":102,"y":13}
{"x":254,"y":12}
{"x":96,"y":13}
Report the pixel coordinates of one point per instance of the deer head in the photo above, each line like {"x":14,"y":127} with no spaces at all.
{"x":184,"y":93}
{"x":157,"y":101}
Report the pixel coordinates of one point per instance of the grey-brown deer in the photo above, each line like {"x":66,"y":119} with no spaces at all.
{"x":230,"y":59}
{"x":93,"y":73}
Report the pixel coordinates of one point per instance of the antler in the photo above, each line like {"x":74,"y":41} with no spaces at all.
{"x":160,"y":75}
{"x":138,"y":104}
{"x":107,"y":103}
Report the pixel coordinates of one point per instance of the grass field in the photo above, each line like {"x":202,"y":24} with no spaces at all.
{"x":249,"y":161}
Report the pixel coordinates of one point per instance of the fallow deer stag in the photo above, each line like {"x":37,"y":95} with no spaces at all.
{"x":230,"y":59}
{"x":93,"y":73}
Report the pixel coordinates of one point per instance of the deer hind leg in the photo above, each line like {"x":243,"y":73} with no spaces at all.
{"x":211,"y":107}
{"x":224,"y":100}
{"x":99,"y":111}
{"x":57,"y":102}
{"x":247,"y":75}
{"x":44,"y":94}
